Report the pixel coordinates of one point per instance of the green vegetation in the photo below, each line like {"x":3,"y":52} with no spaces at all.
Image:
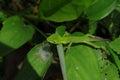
{"x":59,"y":39}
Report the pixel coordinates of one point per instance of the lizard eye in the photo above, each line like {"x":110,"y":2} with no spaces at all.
{"x":54,"y":42}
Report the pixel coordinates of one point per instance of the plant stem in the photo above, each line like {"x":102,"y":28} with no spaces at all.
{"x":40,"y":32}
{"x":62,"y":60}
{"x":37,"y":29}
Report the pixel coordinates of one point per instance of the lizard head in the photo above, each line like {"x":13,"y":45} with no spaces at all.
{"x":55,"y":39}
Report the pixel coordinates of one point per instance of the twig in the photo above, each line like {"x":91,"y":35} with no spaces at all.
{"x":74,"y":27}
{"x":17,"y":4}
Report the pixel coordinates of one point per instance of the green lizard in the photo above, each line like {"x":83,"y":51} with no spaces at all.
{"x":86,"y":39}
{"x":69,"y":39}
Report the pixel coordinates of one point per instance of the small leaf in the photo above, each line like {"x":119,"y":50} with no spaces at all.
{"x":92,"y":27}
{"x":40,"y":58}
{"x":60,"y":30}
{"x":115,"y":57}
{"x":115,"y":45}
{"x":100,"y":9}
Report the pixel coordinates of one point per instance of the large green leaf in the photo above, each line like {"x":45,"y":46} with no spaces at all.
{"x":40,"y":58}
{"x":36,"y":64}
{"x":86,"y":63}
{"x":115,"y":45}
{"x":100,"y":9}
{"x":62,"y":10}
{"x":82,"y":64}
{"x":47,"y":8}
{"x":14,"y":34}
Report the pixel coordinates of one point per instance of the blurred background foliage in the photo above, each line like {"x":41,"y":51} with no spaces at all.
{"x":35,"y":20}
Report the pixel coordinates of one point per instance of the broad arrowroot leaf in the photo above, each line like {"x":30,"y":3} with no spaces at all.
{"x":40,"y":57}
{"x":14,"y":34}
{"x":82,"y":63}
{"x":62,"y":10}
{"x":36,"y":63}
{"x":86,"y":63}
{"x":100,"y":9}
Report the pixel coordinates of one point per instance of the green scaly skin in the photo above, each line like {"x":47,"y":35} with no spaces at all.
{"x":86,"y":39}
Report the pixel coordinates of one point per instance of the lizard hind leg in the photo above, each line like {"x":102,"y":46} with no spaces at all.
{"x":67,"y":48}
